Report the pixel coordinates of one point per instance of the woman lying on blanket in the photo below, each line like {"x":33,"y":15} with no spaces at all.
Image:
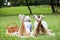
{"x":26,"y":26}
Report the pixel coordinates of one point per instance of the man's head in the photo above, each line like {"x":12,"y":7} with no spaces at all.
{"x":40,"y":16}
{"x":37,"y":18}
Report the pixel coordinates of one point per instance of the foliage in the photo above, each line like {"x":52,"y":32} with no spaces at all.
{"x":23,"y":2}
{"x":1,"y":3}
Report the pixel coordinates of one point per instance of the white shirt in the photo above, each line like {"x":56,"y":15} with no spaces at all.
{"x":43,"y":23}
{"x":28,"y":26}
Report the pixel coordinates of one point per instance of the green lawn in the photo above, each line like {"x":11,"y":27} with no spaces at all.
{"x":53,"y":21}
{"x":24,"y":10}
{"x":53,"y":24}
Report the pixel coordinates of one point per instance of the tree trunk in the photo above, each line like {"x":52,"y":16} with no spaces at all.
{"x":28,"y":6}
{"x":57,"y":2}
{"x":0,"y":3}
{"x":52,"y":6}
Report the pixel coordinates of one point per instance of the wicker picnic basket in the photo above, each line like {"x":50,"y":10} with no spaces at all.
{"x":12,"y":29}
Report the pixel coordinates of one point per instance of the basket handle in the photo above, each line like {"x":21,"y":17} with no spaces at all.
{"x":11,"y":23}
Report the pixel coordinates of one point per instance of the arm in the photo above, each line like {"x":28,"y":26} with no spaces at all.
{"x":36,"y":18}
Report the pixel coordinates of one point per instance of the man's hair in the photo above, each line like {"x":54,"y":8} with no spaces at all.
{"x":38,"y":16}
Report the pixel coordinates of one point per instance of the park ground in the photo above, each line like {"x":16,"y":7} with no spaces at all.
{"x":10,"y":14}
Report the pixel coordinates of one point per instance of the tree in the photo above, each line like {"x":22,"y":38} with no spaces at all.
{"x":52,"y":5}
{"x":7,"y":2}
{"x":57,"y":2}
{"x":28,"y":6}
{"x":15,"y":2}
{"x":1,"y":3}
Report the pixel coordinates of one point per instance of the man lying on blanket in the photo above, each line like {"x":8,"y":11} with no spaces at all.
{"x":41,"y":26}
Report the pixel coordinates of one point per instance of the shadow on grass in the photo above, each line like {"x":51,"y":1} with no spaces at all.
{"x":56,"y":13}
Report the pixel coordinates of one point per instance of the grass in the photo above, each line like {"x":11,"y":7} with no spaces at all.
{"x":24,"y":10}
{"x":53,"y":21}
{"x":53,"y":24}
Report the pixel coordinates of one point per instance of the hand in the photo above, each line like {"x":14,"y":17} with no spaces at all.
{"x":42,"y":16}
{"x":21,"y":17}
{"x":35,"y":16}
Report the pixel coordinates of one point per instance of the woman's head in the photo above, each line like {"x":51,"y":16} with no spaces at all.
{"x":27,"y":19}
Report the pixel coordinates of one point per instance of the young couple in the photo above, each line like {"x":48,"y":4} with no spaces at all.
{"x":40,"y":26}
